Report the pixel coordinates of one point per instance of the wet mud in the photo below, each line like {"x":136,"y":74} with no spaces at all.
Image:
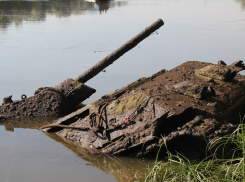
{"x":47,"y":101}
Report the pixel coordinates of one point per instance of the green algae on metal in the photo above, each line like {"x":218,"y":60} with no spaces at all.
{"x":193,"y":91}
{"x":216,"y":72}
{"x":126,"y":104}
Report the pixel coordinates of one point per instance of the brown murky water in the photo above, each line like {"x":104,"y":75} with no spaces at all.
{"x":27,"y":154}
{"x":44,"y":42}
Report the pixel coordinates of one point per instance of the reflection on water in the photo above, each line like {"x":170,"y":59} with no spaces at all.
{"x":242,"y":3}
{"x":122,"y":168}
{"x":63,"y":38}
{"x":18,"y":11}
{"x":101,"y":5}
{"x":27,"y":123}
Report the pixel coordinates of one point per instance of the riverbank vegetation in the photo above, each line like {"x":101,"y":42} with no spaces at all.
{"x":224,"y":163}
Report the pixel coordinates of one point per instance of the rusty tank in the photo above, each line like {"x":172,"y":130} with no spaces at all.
{"x":185,"y":108}
{"x":61,"y":99}
{"x":47,"y":101}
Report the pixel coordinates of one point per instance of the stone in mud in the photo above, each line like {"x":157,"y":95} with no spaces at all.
{"x":183,"y":108}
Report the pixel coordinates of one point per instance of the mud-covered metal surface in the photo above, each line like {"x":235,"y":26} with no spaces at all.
{"x":47,"y":101}
{"x":185,"y":107}
{"x":61,"y":99}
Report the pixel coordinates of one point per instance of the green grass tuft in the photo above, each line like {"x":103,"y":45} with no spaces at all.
{"x":212,"y":169}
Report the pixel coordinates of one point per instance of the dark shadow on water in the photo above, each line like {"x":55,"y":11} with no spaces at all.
{"x":27,"y":123}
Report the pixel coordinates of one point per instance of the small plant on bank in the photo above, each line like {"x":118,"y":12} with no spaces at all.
{"x":213,"y":168}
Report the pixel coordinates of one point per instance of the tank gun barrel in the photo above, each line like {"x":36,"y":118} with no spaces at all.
{"x":61,"y":99}
{"x":97,"y":68}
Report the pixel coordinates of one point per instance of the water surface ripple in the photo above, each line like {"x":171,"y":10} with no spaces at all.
{"x":44,"y":42}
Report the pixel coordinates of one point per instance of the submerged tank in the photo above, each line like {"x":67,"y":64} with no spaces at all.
{"x":184,"y":108}
{"x":61,"y":99}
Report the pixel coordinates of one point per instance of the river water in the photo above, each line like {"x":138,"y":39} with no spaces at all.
{"x":44,"y":42}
